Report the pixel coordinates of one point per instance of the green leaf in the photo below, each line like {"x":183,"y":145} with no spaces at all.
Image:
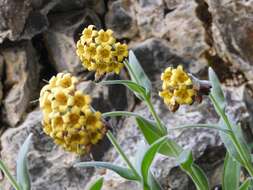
{"x":149,"y":129}
{"x":226,"y":139}
{"x":139,"y":91}
{"x":153,"y":183}
{"x":231,"y":173}
{"x":120,"y":113}
{"x":142,"y":148}
{"x":207,"y":126}
{"x":185,"y":159}
{"x":22,"y":169}
{"x":216,"y":90}
{"x":237,"y":130}
{"x":151,"y":134}
{"x":229,"y":144}
{"x":246,"y":184}
{"x":7,"y":173}
{"x":196,"y":173}
{"x":149,"y":156}
{"x":96,"y":185}
{"x":199,"y":177}
{"x":122,"y":171}
{"x":137,"y":73}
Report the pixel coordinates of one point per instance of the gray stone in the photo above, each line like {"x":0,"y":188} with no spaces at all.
{"x":65,"y":5}
{"x":13,"y":15}
{"x":24,"y":20}
{"x":1,"y":78}
{"x":36,"y":23}
{"x":61,"y":38}
{"x":232,"y":33}
{"x":186,"y":35}
{"x":22,"y":77}
{"x":173,"y":4}
{"x":205,"y":143}
{"x":50,"y":167}
{"x":120,"y":20}
{"x":104,"y":98}
{"x":155,"y":55}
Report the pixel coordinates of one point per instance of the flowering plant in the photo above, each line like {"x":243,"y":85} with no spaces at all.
{"x":73,"y":124}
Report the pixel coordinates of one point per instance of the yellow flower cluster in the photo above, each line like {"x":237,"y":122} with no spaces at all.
{"x":177,"y":88}
{"x":99,"y":51}
{"x":67,"y":116}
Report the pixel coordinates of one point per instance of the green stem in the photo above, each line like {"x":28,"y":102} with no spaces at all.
{"x":155,"y":116}
{"x":9,"y":176}
{"x":174,"y":151}
{"x":158,"y":121}
{"x":241,"y":152}
{"x":121,"y":153}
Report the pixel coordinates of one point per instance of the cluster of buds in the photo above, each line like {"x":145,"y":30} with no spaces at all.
{"x":99,"y":51}
{"x":180,"y":88}
{"x":67,"y":115}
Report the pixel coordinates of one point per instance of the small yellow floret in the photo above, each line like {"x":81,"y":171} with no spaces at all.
{"x":177,"y":87}
{"x":67,"y":116}
{"x":99,"y":52}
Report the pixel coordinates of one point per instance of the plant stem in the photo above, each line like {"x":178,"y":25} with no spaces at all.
{"x":162,"y":129}
{"x":155,"y":116}
{"x":121,"y":153}
{"x":174,"y":151}
{"x":241,"y":152}
{"x":9,"y":176}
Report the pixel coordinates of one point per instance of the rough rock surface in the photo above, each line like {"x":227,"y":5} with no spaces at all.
{"x":22,"y":77}
{"x":1,"y":76}
{"x":50,"y":167}
{"x":232,"y":30}
{"x":104,"y":98}
{"x":24,"y":20}
{"x":61,"y":38}
{"x":195,"y":33}
{"x":206,"y":145}
{"x":155,"y":55}
{"x":11,"y":25}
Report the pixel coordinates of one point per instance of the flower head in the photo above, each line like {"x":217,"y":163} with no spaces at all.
{"x":67,"y":116}
{"x":99,"y":51}
{"x":177,"y":88}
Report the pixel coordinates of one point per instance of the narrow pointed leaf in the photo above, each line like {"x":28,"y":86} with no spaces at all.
{"x":120,"y":113}
{"x":139,"y":91}
{"x":149,"y":157}
{"x":96,"y":185}
{"x":207,"y":126}
{"x":23,"y":177}
{"x":246,"y":184}
{"x":122,"y":171}
{"x":7,"y":173}
{"x":142,"y":149}
{"x":231,"y":173}
{"x":216,"y":90}
{"x":200,"y":175}
{"x":151,"y":134}
{"x":227,"y":122}
{"x":229,"y":144}
{"x":153,"y":183}
{"x":137,"y":73}
{"x":185,"y":158}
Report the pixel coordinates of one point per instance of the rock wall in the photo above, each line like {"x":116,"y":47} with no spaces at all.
{"x":37,"y":40}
